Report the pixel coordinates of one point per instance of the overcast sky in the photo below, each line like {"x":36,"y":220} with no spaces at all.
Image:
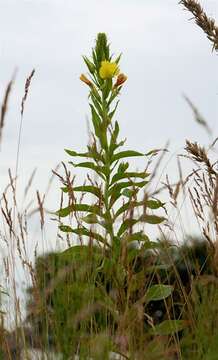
{"x":164,"y":56}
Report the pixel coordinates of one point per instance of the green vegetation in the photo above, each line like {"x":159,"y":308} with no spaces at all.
{"x":118,"y":291}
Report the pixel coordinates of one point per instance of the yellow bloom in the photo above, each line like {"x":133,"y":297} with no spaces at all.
{"x":108,"y":69}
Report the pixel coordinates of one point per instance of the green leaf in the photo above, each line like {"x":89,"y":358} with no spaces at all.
{"x":74,"y":153}
{"x":128,"y":175}
{"x":91,"y":154}
{"x":122,"y":185}
{"x":122,"y":167}
{"x":79,"y":249}
{"x":133,"y":252}
{"x":115,"y":191}
{"x":113,"y":96}
{"x":96,"y":121}
{"x":154,"y":204}
{"x":66,"y":228}
{"x":107,"y":87}
{"x":89,"y":64}
{"x":90,"y":219}
{"x":94,"y":154}
{"x":126,"y":154}
{"x":86,"y":189}
{"x":97,"y":103}
{"x":128,"y":205}
{"x":81,"y":253}
{"x":100,"y":170}
{"x":158,"y":292}
{"x":129,"y":192}
{"x":110,"y":115}
{"x":79,"y":207}
{"x":117,"y":60}
{"x":85,"y":232}
{"x":152,"y":219}
{"x":169,"y":327}
{"x":139,"y":236}
{"x":126,"y":225}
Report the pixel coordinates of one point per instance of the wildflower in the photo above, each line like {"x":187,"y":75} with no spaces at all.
{"x":86,"y":80}
{"x":108,"y":69}
{"x":120,"y":80}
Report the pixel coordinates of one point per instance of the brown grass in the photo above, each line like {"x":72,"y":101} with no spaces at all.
{"x":5,"y":105}
{"x":206,"y":23}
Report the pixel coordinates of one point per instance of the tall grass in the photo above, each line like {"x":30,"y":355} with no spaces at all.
{"x":117,"y":294}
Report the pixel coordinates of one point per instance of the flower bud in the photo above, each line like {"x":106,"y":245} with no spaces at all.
{"x":86,"y":80}
{"x":120,"y":80}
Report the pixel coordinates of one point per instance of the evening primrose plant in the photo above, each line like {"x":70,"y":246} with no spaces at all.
{"x":114,"y":222}
{"x":117,"y":191}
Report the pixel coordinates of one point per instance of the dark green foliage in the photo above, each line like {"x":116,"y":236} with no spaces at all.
{"x":81,"y":292}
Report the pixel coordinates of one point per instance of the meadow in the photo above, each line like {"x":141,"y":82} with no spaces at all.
{"x":127,"y":284}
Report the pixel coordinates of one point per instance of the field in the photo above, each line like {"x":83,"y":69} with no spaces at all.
{"x":131,"y":280}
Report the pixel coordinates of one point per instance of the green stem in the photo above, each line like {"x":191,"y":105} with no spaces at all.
{"x":109,"y":219}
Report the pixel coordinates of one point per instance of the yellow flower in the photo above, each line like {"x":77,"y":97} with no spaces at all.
{"x":86,"y":80}
{"x":108,"y":69}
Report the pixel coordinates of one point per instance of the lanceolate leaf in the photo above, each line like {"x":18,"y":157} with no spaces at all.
{"x":94,"y":154}
{"x":90,"y":219}
{"x":66,"y":228}
{"x":115,"y":191}
{"x":90,"y":154}
{"x":128,"y":175}
{"x":78,"y":207}
{"x":139,"y":236}
{"x":127,"y":206}
{"x":123,"y":167}
{"x":86,"y":189}
{"x":85,"y":232}
{"x":154,"y":204}
{"x":152,"y":219}
{"x":96,"y":121}
{"x":74,"y":153}
{"x":113,"y":112}
{"x":126,"y":225}
{"x":89,"y":165}
{"x":126,"y":154}
{"x":122,"y":185}
{"x":89,"y":64}
{"x":95,"y":100}
{"x":130,"y":193}
{"x":114,"y":198}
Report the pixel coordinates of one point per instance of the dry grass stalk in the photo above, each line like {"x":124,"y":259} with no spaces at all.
{"x":28,"y":186}
{"x":4,"y":106}
{"x":41,"y":209}
{"x":27,"y":85}
{"x":199,"y":155}
{"x":206,"y":23}
{"x":198,"y":117}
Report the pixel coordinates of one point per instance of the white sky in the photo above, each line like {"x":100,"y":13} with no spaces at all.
{"x":164,"y":56}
